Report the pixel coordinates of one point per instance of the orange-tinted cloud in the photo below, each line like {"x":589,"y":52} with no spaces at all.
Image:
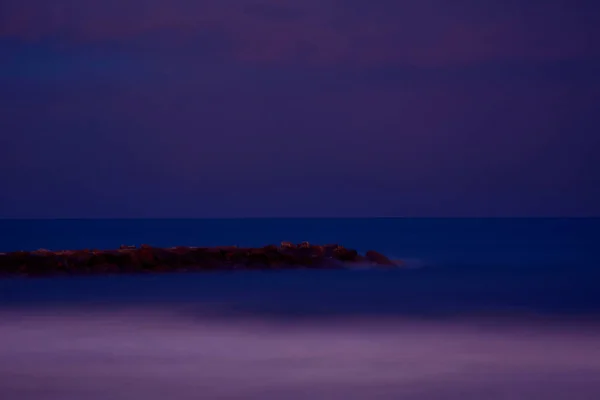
{"x":325,"y":32}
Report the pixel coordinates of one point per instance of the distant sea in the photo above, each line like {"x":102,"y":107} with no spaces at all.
{"x":485,"y":309}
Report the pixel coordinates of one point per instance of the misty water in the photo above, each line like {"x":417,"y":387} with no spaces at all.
{"x":492,"y":309}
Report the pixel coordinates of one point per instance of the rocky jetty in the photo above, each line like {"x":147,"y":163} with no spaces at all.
{"x":148,"y":259}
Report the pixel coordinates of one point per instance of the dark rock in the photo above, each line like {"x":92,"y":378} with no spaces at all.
{"x":331,"y":263}
{"x":361,"y":259}
{"x":155,"y":260}
{"x":177,"y":249}
{"x":10,"y":262}
{"x":317,"y":251}
{"x":41,"y":263}
{"x":80,"y":257}
{"x":105,"y":269}
{"x":41,"y":252}
{"x":344,"y":254}
{"x":258,"y":260}
{"x":98,"y":259}
{"x":378,"y":258}
{"x":329,"y":249}
{"x":118,"y":258}
{"x":237,"y":257}
{"x":145,"y":256}
{"x":303,"y":257}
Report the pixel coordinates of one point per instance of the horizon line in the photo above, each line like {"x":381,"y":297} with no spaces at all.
{"x":291,"y":217}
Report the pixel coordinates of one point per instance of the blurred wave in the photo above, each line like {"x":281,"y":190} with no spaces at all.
{"x":147,"y":354}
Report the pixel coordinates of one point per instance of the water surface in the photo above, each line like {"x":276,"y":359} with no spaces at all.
{"x":493,"y":309}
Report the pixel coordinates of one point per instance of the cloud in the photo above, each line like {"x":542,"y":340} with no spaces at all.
{"x":320,"y":32}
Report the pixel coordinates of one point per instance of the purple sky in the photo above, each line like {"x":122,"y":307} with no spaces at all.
{"x":213,"y":108}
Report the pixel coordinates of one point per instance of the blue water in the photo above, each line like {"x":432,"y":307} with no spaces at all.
{"x":462,"y":265}
{"x":487,"y":309}
{"x":433,"y":241}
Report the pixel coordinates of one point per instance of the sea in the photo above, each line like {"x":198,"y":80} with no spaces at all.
{"x":482,"y":309}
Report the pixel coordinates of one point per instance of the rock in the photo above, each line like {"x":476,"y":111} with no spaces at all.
{"x":41,"y":252}
{"x":80,"y":257}
{"x":257,"y":260}
{"x":118,"y":258}
{"x":317,"y":251}
{"x":329,"y":249}
{"x":128,"y":259}
{"x":6,"y":258}
{"x":344,"y":254}
{"x":361,"y":259}
{"x":127,"y":247}
{"x":98,"y":259}
{"x":40,"y":263}
{"x":177,"y":249}
{"x":378,"y":258}
{"x":304,"y":257}
{"x":331,"y":263}
{"x":10,"y":263}
{"x":105,"y":269}
{"x":145,"y":256}
{"x":225,"y":248}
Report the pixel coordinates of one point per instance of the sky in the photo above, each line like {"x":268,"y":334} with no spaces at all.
{"x":295,"y":108}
